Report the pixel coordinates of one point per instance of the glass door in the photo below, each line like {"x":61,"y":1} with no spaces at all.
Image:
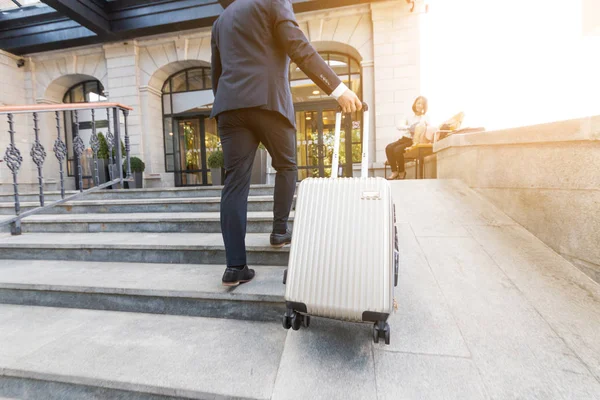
{"x":211,"y":144}
{"x":190,"y":152}
{"x":328,"y":139}
{"x":307,"y":144}
{"x":315,"y":136}
{"x":196,"y":140}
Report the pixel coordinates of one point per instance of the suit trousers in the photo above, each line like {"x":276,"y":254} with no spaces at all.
{"x":241,"y":131}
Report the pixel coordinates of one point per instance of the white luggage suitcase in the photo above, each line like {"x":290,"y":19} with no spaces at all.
{"x":344,"y":254}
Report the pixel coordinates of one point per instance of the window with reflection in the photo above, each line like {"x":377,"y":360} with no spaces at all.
{"x":196,"y":78}
{"x":305,"y":91}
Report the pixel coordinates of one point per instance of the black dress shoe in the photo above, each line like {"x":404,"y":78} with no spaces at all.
{"x":281,"y":239}
{"x":234,"y":276}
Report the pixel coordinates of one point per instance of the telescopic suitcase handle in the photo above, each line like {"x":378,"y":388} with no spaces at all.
{"x":364,"y":167}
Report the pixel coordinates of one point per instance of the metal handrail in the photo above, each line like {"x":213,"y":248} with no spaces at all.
{"x":24,"y":109}
{"x":14,"y":160}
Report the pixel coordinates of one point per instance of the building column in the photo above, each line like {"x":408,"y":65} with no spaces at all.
{"x":123,"y":87}
{"x":153,"y":141}
{"x":396,"y":48}
{"x":12,"y":82}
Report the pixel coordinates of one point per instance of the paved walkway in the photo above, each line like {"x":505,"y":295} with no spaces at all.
{"x":486,"y":311}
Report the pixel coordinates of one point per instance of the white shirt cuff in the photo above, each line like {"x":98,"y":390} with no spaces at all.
{"x":339,"y":91}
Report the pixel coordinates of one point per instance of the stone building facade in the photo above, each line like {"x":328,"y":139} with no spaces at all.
{"x":382,"y":38}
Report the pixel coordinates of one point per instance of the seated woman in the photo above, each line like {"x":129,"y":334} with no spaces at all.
{"x":414,"y":132}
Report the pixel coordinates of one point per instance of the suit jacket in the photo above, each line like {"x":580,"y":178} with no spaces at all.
{"x":252,"y":43}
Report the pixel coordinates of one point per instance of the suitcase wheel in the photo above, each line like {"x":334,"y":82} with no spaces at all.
{"x":375,"y":334}
{"x":287,"y":321}
{"x":288,"y":318}
{"x":296,"y":321}
{"x":381,"y":330}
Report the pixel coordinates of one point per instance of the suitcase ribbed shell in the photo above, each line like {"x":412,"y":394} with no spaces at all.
{"x":341,"y":257}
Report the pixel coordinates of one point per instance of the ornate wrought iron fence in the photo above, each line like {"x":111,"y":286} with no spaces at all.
{"x":14,"y":159}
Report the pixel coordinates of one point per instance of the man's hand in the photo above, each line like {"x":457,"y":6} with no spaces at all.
{"x":349,"y":102}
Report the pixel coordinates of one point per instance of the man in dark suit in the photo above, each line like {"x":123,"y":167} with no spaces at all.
{"x":252,"y":43}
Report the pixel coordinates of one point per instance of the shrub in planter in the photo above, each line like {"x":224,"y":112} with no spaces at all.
{"x":137,"y":168}
{"x":103,"y":161}
{"x":103,"y":150}
{"x":215,"y":163}
{"x":137,"y":165}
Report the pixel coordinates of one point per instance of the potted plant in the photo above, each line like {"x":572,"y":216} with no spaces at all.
{"x":102,"y":159}
{"x":215,"y":163}
{"x":137,"y":168}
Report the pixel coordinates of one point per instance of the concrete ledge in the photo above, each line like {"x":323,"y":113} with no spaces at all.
{"x":200,"y":204}
{"x":582,"y":129}
{"x":21,"y":388}
{"x":104,"y":354}
{"x":145,"y":193}
{"x":150,"y":177}
{"x":258,"y":222}
{"x":191,"y":290}
{"x":168,"y":248}
{"x":546,"y":177}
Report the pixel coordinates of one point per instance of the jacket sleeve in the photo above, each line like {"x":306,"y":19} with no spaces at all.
{"x":216,"y":67}
{"x":298,"y":48}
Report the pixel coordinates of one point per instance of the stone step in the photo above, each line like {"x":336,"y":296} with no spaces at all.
{"x":148,"y":193}
{"x":198,"y":204}
{"x":258,"y":222}
{"x":184,"y":289}
{"x":172,"y":248}
{"x":68,"y":354}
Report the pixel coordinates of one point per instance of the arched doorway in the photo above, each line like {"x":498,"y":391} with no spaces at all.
{"x":88,"y":91}
{"x":190,"y":135}
{"x":315,"y":120}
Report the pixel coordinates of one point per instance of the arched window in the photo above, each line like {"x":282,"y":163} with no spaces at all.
{"x":90,"y":91}
{"x":85,"y":92}
{"x":188,"y":80}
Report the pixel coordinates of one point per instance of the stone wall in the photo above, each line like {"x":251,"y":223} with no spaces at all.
{"x":546,"y":177}
{"x":396,"y":48}
{"x":12,"y":91}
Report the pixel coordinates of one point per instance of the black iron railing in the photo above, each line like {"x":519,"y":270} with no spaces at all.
{"x":14,"y":159}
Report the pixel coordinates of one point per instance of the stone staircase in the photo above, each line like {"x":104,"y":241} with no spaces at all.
{"x":152,"y":251}
{"x":119,"y":297}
